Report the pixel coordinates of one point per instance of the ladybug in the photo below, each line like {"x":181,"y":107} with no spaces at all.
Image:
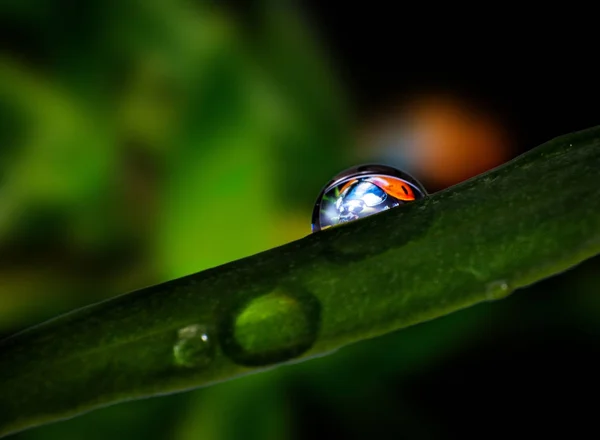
{"x":362,"y":191}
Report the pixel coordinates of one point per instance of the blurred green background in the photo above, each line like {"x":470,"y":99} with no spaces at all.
{"x":143,"y":141}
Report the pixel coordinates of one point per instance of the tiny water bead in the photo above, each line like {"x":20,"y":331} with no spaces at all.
{"x":363,"y":191}
{"x":194,"y":347}
{"x":497,"y":290}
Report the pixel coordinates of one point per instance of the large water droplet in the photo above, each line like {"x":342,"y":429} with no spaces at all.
{"x":271,"y":328}
{"x":363,"y":191}
{"x":194,"y":347}
{"x":497,"y":290}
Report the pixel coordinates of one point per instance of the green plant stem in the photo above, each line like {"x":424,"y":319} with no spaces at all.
{"x":529,"y":219}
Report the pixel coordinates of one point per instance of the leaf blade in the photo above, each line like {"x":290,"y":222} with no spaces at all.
{"x":519,"y":223}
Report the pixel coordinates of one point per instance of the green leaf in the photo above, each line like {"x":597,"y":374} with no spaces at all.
{"x":478,"y":241}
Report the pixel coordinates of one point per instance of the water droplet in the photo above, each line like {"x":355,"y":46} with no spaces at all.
{"x":497,"y":290}
{"x":194,"y":347}
{"x":363,"y":191}
{"x":271,"y":328}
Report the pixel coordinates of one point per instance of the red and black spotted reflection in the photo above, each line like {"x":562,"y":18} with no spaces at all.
{"x":363,"y":191}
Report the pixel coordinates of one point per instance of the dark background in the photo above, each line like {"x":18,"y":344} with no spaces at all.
{"x":539,"y":75}
{"x":523,"y":366}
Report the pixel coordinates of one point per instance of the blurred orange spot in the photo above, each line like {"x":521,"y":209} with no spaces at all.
{"x":445,"y":141}
{"x":454,"y":143}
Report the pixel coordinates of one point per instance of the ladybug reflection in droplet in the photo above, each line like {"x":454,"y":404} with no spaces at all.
{"x":363,"y":191}
{"x":362,"y":197}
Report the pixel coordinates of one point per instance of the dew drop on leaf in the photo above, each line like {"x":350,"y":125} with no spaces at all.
{"x":361,"y":192}
{"x":271,"y":328}
{"x":497,"y":290}
{"x":194,"y":347}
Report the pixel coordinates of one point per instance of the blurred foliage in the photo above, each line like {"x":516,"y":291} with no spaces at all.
{"x":141,"y":141}
{"x":136,"y":134}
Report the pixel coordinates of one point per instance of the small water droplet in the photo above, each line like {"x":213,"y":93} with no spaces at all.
{"x":497,"y":290}
{"x":271,"y":328}
{"x":194,"y":346}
